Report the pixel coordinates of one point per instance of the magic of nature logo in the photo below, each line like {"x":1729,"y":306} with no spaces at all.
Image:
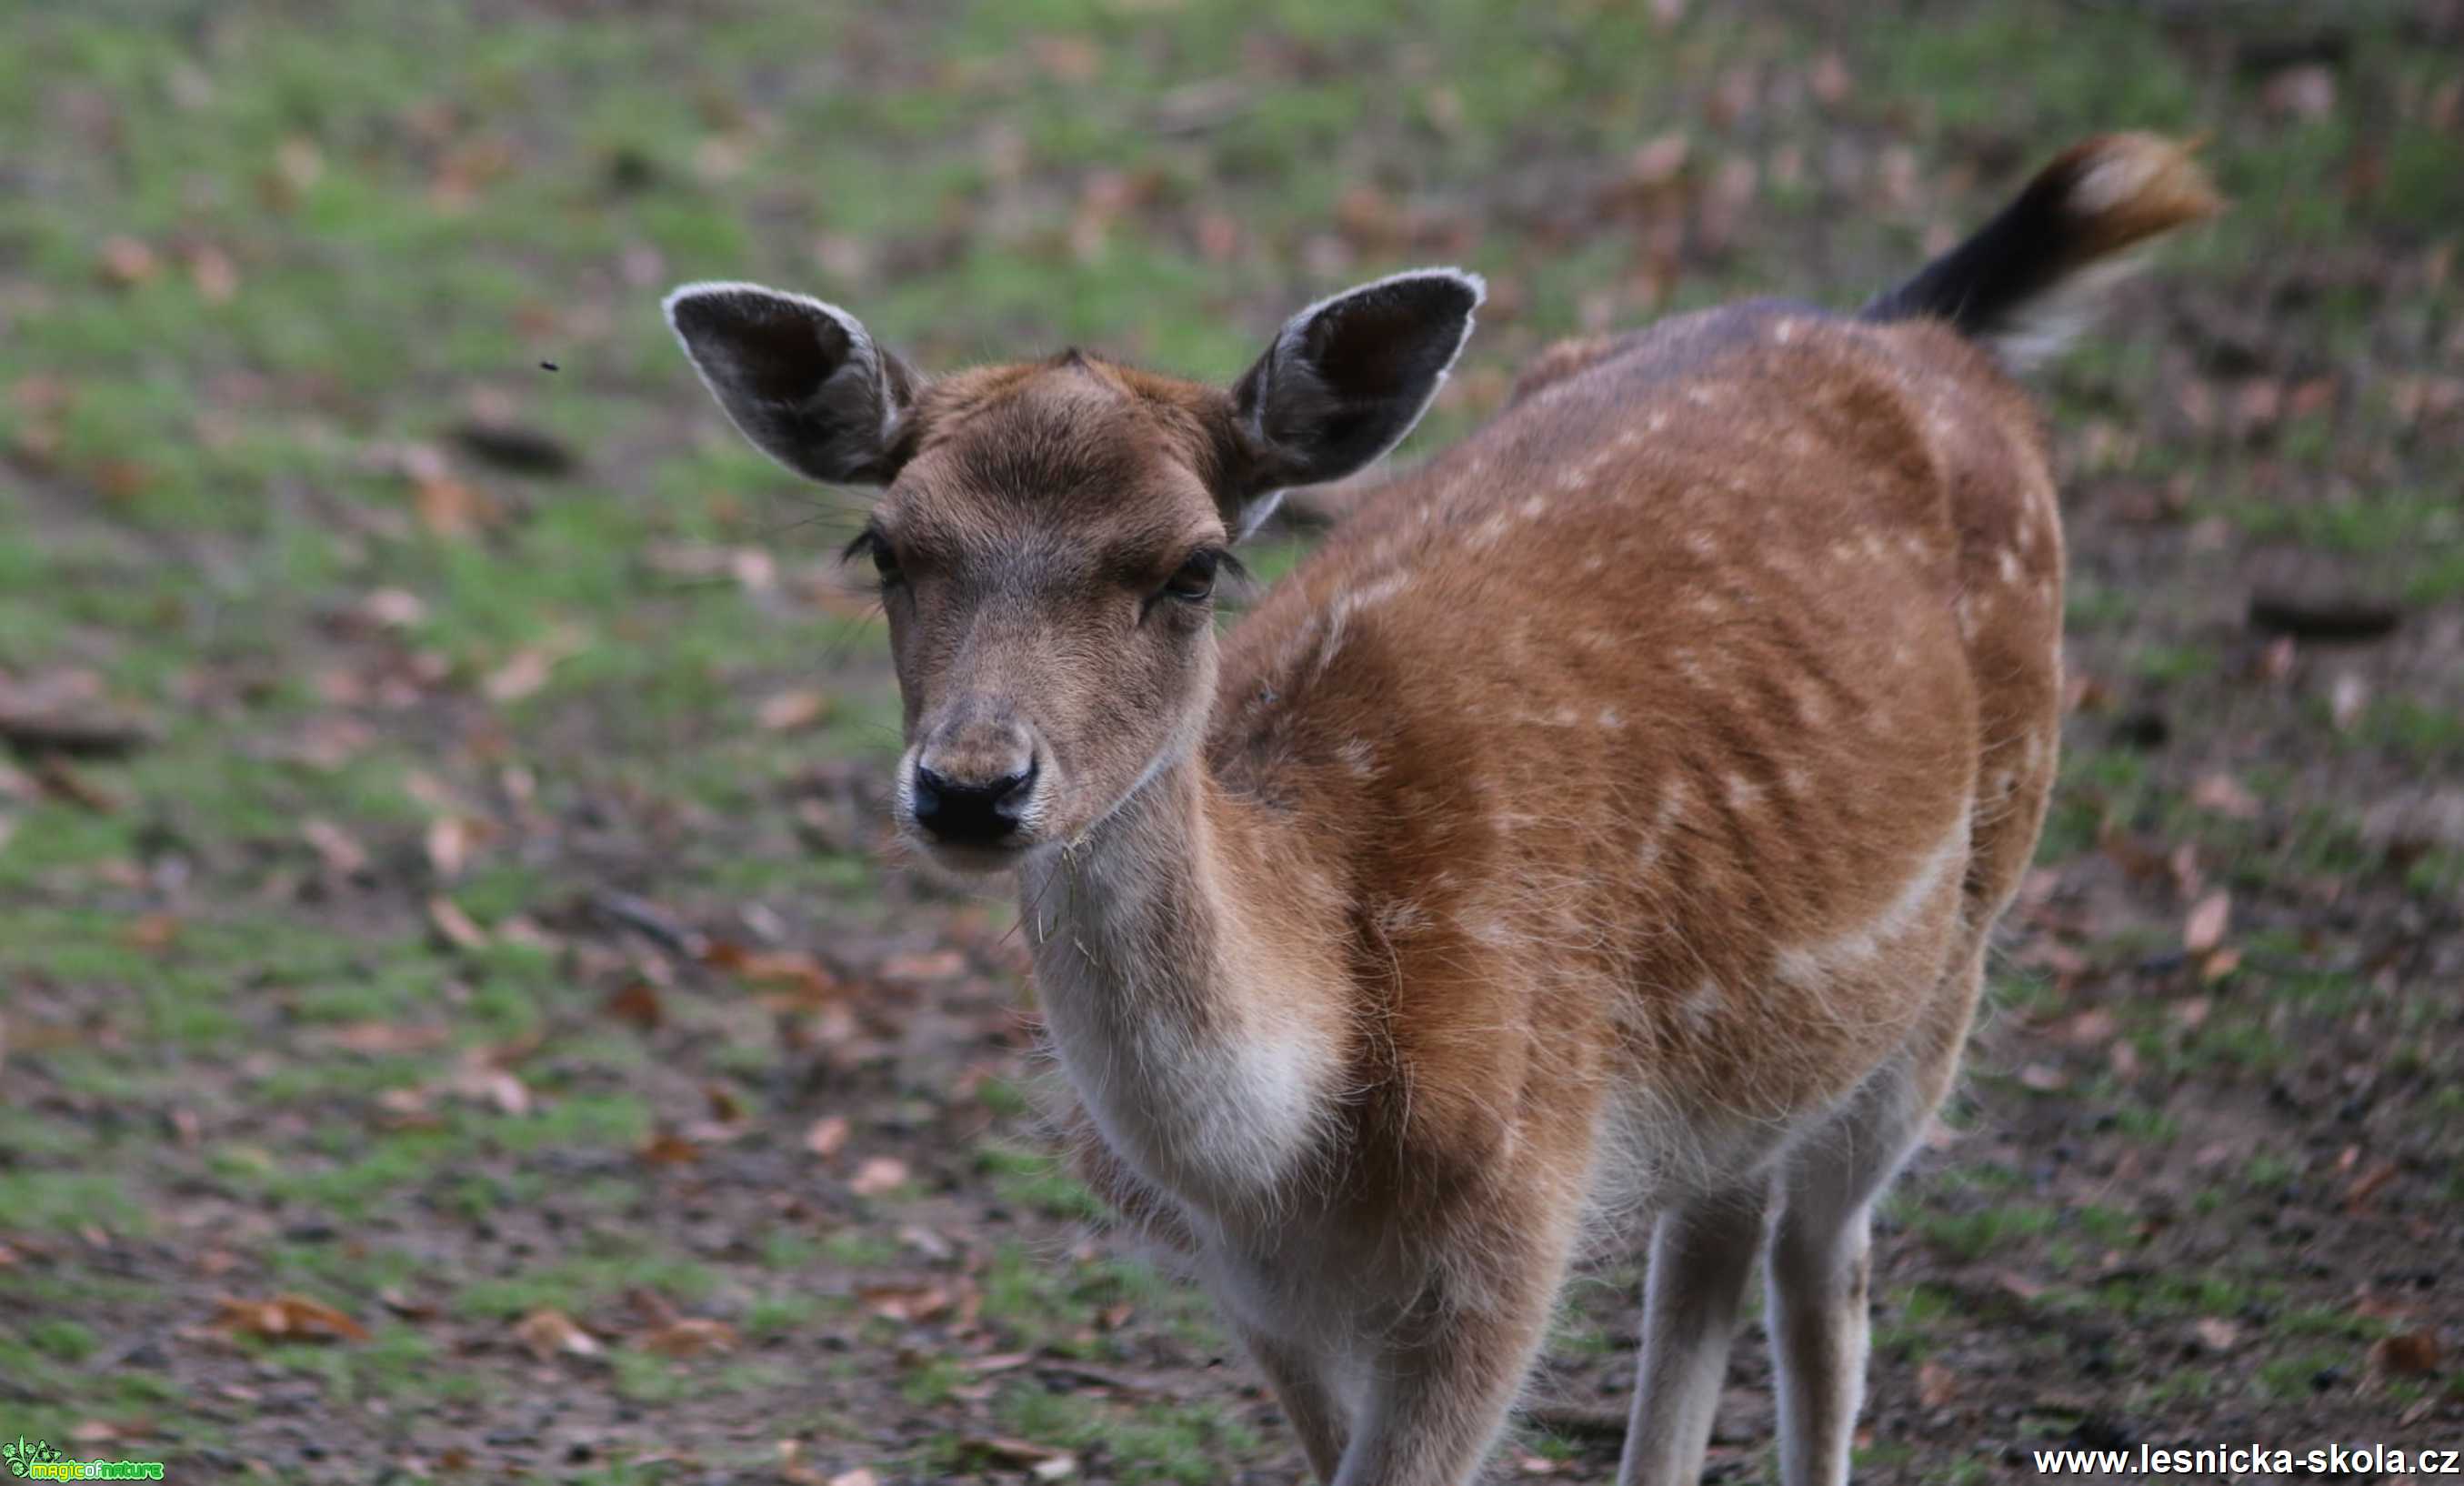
{"x":42,"y":1460}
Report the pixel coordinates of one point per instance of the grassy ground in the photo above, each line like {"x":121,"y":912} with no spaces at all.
{"x":453,"y":1017}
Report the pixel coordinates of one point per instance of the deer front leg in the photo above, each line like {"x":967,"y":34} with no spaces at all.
{"x":1298,"y":1375}
{"x":1441,"y":1390}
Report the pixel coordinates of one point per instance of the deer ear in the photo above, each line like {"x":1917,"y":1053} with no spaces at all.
{"x":1348,"y":377}
{"x":801,"y":379}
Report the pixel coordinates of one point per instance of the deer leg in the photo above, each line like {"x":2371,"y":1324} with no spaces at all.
{"x":1821,"y":1263}
{"x":1442,"y":1386}
{"x":1298,"y":1375}
{"x":1702,"y":1255}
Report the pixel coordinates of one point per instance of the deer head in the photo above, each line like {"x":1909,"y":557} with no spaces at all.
{"x":1050,"y":534}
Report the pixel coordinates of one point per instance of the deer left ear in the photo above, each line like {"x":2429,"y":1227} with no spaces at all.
{"x":801,"y":379}
{"x":1348,"y":377}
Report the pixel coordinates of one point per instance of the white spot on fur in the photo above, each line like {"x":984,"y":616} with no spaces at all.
{"x":1853,"y":951}
{"x":1700,"y":1006}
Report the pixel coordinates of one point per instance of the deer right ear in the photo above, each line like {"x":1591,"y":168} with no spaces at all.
{"x":1347,"y":378}
{"x":801,"y":379}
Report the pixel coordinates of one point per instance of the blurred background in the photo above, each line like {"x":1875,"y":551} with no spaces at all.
{"x":453,"y":1017}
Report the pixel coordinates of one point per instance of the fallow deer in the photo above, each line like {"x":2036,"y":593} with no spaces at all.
{"x":1603,"y":826}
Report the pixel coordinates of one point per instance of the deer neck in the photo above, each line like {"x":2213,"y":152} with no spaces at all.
{"x":1191,"y":992}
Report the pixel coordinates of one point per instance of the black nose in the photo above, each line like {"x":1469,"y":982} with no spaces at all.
{"x":970,"y":813}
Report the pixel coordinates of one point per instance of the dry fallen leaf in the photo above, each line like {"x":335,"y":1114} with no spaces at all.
{"x":1936,"y":1385}
{"x":2217,"y":1334}
{"x":906,"y":1302}
{"x":520,"y":676}
{"x":126,"y":261}
{"x":2205,"y":928}
{"x":2412,"y":1353}
{"x":290,"y":1318}
{"x":791,"y":711}
{"x":667,"y":1148}
{"x":2370,"y":1183}
{"x":2226,"y":796}
{"x":2090,"y":1028}
{"x":1002,"y":1449}
{"x":383,"y":1040}
{"x":876,"y":1175}
{"x":802,"y":976}
{"x":213,"y":272}
{"x":548,"y":1332}
{"x":151,"y":932}
{"x":636,"y":1003}
{"x":449,"y":846}
{"x":828,"y":1135}
{"x":859,"y":1476}
{"x":692,"y":1337}
{"x":342,"y":854}
{"x":2044,"y":1078}
{"x":455,"y":925}
{"x":448,"y":508}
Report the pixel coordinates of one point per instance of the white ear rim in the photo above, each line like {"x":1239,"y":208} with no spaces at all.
{"x":1298,"y":323}
{"x":861,"y":347}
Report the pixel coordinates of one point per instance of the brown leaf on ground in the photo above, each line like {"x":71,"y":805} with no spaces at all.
{"x":792,"y":711}
{"x":2226,"y":796}
{"x":450,"y":510}
{"x":2205,"y":928}
{"x":876,"y":1175}
{"x":2370,"y":1183}
{"x":2091,"y":1027}
{"x":2044,"y":1078}
{"x":524,"y":674}
{"x":827,"y":1136}
{"x":151,"y":932}
{"x":455,"y":926}
{"x":667,"y":1147}
{"x":798,"y":974}
{"x":636,"y":1003}
{"x":449,"y":846}
{"x":1936,"y":1385}
{"x":289,"y":1318}
{"x":212,"y":271}
{"x":125,"y":261}
{"x":341,"y":853}
{"x":692,"y":1337}
{"x":2413,"y":1354}
{"x":906,"y":1302}
{"x":859,"y":1476}
{"x":550,"y":1332}
{"x":383,"y":1040}
{"x":2217,"y":1334}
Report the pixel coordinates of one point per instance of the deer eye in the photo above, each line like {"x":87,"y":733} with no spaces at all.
{"x":1196,"y":578}
{"x":872,"y":544}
